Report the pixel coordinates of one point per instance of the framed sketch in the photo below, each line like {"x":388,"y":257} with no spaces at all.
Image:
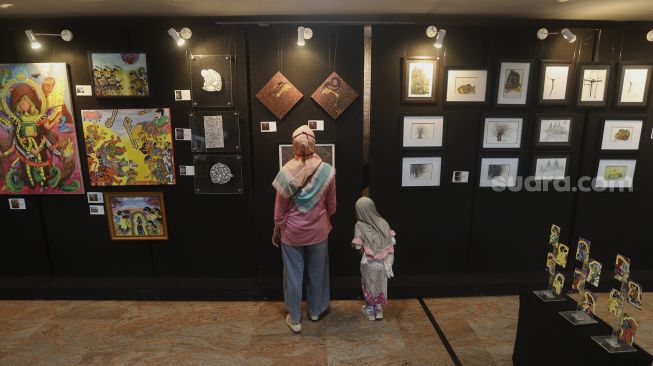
{"x":466,"y":86}
{"x":555,"y":78}
{"x":213,"y":131}
{"x":419,"y":79}
{"x":553,"y":130}
{"x":498,"y":172}
{"x":634,"y":81}
{"x":325,"y":151}
{"x":502,"y":133}
{"x":136,"y":215}
{"x":421,"y":171}
{"x":423,"y":131}
{"x":119,"y":74}
{"x":615,"y":173}
{"x":621,"y":135}
{"x":593,"y":83}
{"x":514,"y":83}
{"x":550,"y":167}
{"x":211,"y":80}
{"x":218,"y":174}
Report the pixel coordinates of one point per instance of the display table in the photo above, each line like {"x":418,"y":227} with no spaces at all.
{"x":546,"y":338}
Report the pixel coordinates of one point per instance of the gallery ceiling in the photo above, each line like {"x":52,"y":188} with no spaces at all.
{"x":617,"y":10}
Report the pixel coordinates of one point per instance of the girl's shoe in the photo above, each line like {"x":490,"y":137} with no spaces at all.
{"x":378,"y":312}
{"x":296,"y":328}
{"x":368,"y":311}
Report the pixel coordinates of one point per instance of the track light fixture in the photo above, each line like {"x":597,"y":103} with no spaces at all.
{"x":649,"y":36}
{"x":180,"y":37}
{"x":303,"y":34}
{"x":65,"y":34}
{"x":433,"y":32}
{"x":570,"y":37}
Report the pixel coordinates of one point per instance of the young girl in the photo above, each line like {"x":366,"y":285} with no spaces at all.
{"x":374,"y":239}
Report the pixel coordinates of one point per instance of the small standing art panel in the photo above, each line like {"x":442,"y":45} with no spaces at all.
{"x":621,"y":135}
{"x":579,"y":278}
{"x":120,"y":74}
{"x":279,"y":95}
{"x":514,"y":82}
{"x":555,"y":78}
{"x":218,"y":174}
{"x":621,"y":267}
{"x":615,"y":304}
{"x":423,"y":131}
{"x":466,"y":86}
{"x":419,"y":79}
{"x":502,"y":133}
{"x":210,"y":79}
{"x":136,"y":215}
{"x":594,"y":272}
{"x":38,"y":141}
{"x":634,"y":297}
{"x":593,"y":82}
{"x":421,"y":171}
{"x":214,"y":131}
{"x":627,"y":330}
{"x":334,"y":95}
{"x":327,"y":152}
{"x":634,"y":81}
{"x":553,"y":130}
{"x":588,"y":303}
{"x":558,"y":283}
{"x":129,"y":147}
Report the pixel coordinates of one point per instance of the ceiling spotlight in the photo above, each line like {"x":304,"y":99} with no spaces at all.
{"x":303,"y":33}
{"x":433,"y":32}
{"x":32,"y":39}
{"x":649,"y":36}
{"x":6,"y":6}
{"x":65,"y":34}
{"x":181,"y":36}
{"x":570,"y":37}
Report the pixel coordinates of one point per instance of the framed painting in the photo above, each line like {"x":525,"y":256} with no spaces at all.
{"x":466,"y":86}
{"x":129,"y":147}
{"x":136,"y":215}
{"x":498,"y":172}
{"x":555,"y":79}
{"x":334,"y":95}
{"x":325,"y":151}
{"x":593,"y":85}
{"x":423,"y":131}
{"x":621,"y":134}
{"x":279,"y":95}
{"x":634,"y":85}
{"x":550,"y":167}
{"x":502,"y":133}
{"x":38,"y":139}
{"x":119,"y":74}
{"x":419,"y":83}
{"x":554,"y":130}
{"x":514,"y":83}
{"x":213,"y":131}
{"x":421,"y":171}
{"x":218,"y":174}
{"x":210,"y":80}
{"x":615,"y":173}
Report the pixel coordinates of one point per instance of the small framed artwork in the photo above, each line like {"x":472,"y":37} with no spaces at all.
{"x":555,"y":78}
{"x":419,"y":79}
{"x":136,"y":215}
{"x":119,"y":74}
{"x":327,"y":152}
{"x":421,"y":171}
{"x":634,"y":81}
{"x":621,"y":135}
{"x":498,"y":172}
{"x":466,"y":86}
{"x":514,"y":82}
{"x":213,"y":131}
{"x":218,"y":174}
{"x":210,"y":80}
{"x":423,"y":131}
{"x":550,"y":167}
{"x":553,"y":130}
{"x":502,"y":133}
{"x":615,"y":173}
{"x":593,"y":83}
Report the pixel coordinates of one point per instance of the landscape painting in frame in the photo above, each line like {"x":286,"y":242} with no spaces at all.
{"x":129,"y":147}
{"x":419,"y":81}
{"x":593,"y":85}
{"x":423,"y":131}
{"x":327,"y":152}
{"x":550,"y":167}
{"x":615,"y":173}
{"x":421,"y":171}
{"x":38,"y":141}
{"x":498,"y":172}
{"x":136,"y":215}
{"x":553,"y":131}
{"x":502,"y":133}
{"x":466,"y":86}
{"x":513,"y":83}
{"x":120,"y":74}
{"x":621,"y":135}
{"x":634,"y":81}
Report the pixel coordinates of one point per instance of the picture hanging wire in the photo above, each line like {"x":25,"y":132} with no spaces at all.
{"x":279,"y":54}
{"x":335,"y":50}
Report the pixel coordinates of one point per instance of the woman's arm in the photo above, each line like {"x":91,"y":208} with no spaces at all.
{"x":330,"y":198}
{"x":280,"y":210}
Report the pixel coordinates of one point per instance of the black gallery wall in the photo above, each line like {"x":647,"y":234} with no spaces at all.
{"x":454,"y":229}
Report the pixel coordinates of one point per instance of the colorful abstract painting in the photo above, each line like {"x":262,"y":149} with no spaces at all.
{"x":129,"y":147}
{"x":334,"y":95}
{"x":120,"y":74}
{"x":136,"y":216}
{"x":38,"y":142}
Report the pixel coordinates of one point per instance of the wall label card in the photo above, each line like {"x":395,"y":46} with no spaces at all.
{"x":182,"y":95}
{"x":83,"y":90}
{"x":95,"y":197}
{"x":269,"y":126}
{"x":187,"y":170}
{"x":17,"y":204}
{"x":316,"y":125}
{"x":213,"y":132}
{"x":183,"y":134}
{"x":96,"y":210}
{"x":460,"y":176}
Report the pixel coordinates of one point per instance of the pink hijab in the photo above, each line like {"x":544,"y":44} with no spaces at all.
{"x":303,"y":165}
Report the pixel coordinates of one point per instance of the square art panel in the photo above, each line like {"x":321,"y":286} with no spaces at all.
{"x":214,"y":131}
{"x":136,"y":215}
{"x":218,"y":174}
{"x":279,"y":95}
{"x":210,"y":78}
{"x":120,"y":74}
{"x":38,"y":142}
{"x":334,"y":95}
{"x":129,"y":147}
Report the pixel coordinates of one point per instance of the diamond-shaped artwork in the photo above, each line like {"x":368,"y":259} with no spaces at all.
{"x":279,"y":95}
{"x":334,"y":95}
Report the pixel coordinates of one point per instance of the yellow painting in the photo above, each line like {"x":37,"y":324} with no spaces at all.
{"x":558,"y":283}
{"x":563,"y":252}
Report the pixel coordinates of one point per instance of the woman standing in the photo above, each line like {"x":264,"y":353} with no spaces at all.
{"x":305,"y":202}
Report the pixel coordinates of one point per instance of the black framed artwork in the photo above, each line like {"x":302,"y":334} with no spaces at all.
{"x":420,"y":132}
{"x":211,"y":80}
{"x":554,"y":130}
{"x":594,"y":81}
{"x":119,"y":74}
{"x":555,"y":80}
{"x":213,"y":131}
{"x":466,"y":86}
{"x":514,"y":82}
{"x":633,"y":86}
{"x":419,"y":83}
{"x":218,"y":174}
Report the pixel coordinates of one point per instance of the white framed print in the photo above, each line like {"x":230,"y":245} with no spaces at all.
{"x":513,"y":83}
{"x":498,"y":172}
{"x":553,"y":130}
{"x":615,"y":173}
{"x":502,"y":133}
{"x":466,"y":85}
{"x":634,"y":81}
{"x":550,"y":167}
{"x":423,"y":131}
{"x":593,"y":85}
{"x":421,"y":171}
{"x":621,"y":135}
{"x":555,"y":78}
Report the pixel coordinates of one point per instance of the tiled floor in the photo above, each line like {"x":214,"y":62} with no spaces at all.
{"x":481,"y":330}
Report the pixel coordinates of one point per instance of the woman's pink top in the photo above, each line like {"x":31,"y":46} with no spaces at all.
{"x":308,"y":228}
